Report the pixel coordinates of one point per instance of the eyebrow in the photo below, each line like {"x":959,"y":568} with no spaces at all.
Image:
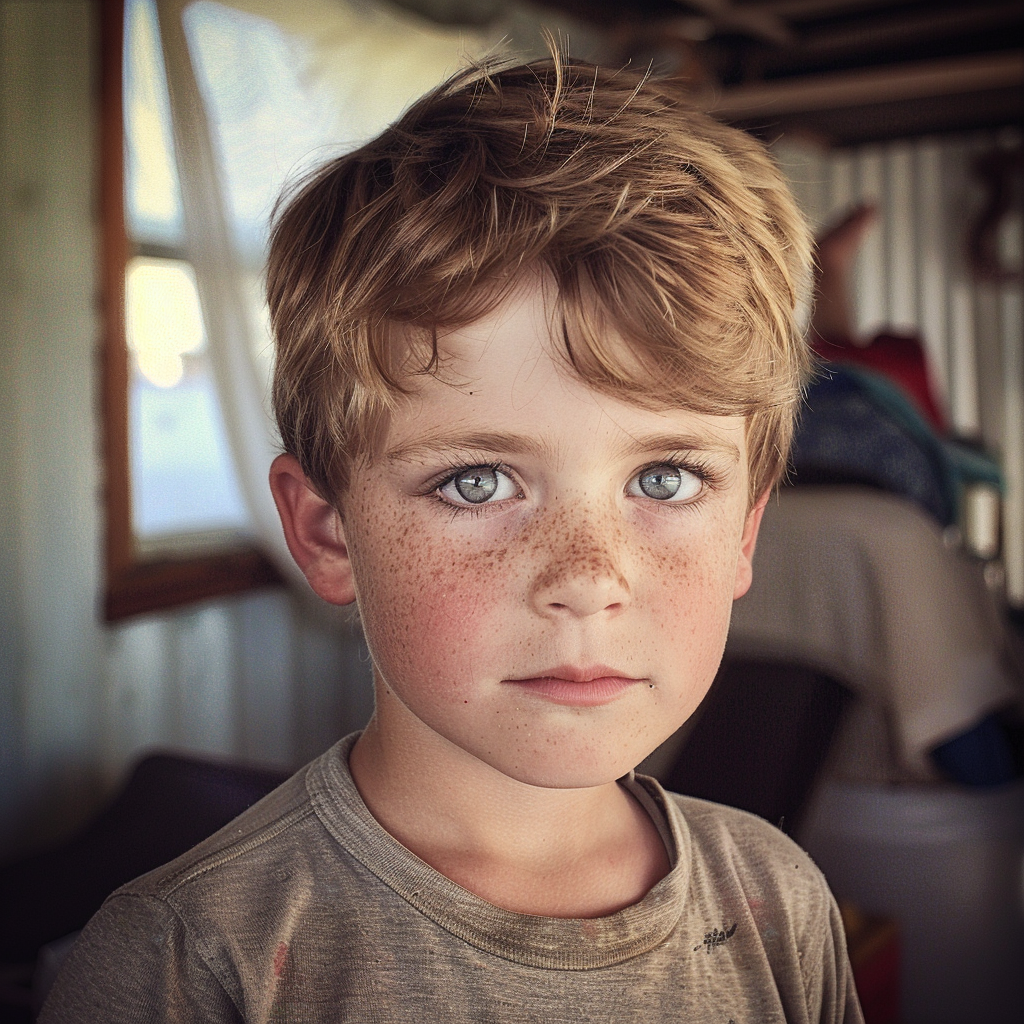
{"x":518,"y":444}
{"x":496,"y":441}
{"x":646,"y":443}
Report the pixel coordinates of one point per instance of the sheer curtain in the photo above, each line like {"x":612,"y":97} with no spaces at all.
{"x":261,"y":91}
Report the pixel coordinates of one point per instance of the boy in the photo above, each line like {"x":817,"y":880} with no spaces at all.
{"x":537,"y":371}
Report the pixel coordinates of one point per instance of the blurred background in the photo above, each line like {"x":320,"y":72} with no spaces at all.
{"x":146,"y":599}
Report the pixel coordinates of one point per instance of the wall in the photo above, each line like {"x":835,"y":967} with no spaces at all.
{"x":52,"y":647}
{"x":257,"y":677}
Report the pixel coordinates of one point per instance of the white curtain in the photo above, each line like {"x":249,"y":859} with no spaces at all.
{"x":262,"y":90}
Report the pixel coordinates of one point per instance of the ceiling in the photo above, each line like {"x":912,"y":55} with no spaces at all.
{"x":845,"y":71}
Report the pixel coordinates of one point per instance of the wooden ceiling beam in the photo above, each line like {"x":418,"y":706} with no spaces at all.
{"x":750,"y":20}
{"x":914,"y":27}
{"x":949,"y":77}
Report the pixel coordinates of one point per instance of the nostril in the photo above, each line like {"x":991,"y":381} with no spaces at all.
{"x":581,"y":599}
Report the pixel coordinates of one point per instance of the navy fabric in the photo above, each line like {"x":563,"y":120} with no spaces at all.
{"x":858,"y":427}
{"x":982,"y":756}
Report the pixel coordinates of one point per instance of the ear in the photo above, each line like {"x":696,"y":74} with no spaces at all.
{"x":744,"y":567}
{"x":313,"y":531}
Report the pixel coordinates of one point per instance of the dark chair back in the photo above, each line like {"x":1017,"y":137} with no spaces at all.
{"x":763,"y":733}
{"x":170,"y":803}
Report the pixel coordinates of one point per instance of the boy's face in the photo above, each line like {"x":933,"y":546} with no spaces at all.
{"x":544,"y":574}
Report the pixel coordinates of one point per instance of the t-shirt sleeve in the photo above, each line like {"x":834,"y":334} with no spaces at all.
{"x":134,"y":963}
{"x":828,"y":976}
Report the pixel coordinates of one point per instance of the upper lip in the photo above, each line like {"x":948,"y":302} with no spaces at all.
{"x":576,"y":674}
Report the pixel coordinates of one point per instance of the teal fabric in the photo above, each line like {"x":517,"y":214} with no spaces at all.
{"x":859,"y":426}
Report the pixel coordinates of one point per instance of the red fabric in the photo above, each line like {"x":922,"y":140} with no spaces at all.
{"x":899,"y":357}
{"x":877,"y":978}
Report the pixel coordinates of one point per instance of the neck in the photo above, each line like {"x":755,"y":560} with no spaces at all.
{"x":551,"y":852}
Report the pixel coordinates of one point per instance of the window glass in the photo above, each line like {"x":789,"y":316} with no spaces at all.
{"x":185,"y":492}
{"x":182,"y":480}
{"x":152,"y":194}
{"x":279,"y":96}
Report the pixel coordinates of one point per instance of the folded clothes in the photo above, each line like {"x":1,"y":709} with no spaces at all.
{"x":898,"y":357}
{"x":859,"y":427}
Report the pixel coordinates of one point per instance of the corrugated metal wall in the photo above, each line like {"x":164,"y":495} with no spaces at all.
{"x":259,"y":678}
{"x":913,"y":275}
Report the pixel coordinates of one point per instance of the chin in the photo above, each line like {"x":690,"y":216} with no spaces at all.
{"x":584,"y":770}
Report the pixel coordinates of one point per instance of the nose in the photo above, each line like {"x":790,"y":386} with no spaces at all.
{"x":581,"y":574}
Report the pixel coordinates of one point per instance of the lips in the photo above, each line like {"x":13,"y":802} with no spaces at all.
{"x":576,"y":686}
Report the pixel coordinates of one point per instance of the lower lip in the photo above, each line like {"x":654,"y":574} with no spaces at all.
{"x":590,"y":694}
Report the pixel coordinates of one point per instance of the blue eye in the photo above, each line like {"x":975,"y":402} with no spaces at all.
{"x":477,"y":485}
{"x":666,"y":483}
{"x":662,"y":482}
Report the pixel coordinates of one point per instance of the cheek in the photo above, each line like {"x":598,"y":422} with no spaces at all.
{"x":427,"y":604}
{"x":687,"y":590}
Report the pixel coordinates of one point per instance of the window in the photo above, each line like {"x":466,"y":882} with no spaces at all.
{"x":257,"y":91}
{"x":177,"y":528}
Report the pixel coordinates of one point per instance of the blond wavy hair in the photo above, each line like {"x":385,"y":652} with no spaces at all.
{"x":649,"y":216}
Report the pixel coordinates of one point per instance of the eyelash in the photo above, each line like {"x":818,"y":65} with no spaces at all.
{"x":710,"y":478}
{"x":688,"y":464}
{"x":453,"y":470}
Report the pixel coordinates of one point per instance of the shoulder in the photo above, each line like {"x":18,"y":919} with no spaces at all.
{"x":744,"y":869}
{"x":246,"y":882}
{"x":134,"y":961}
{"x":733,"y":850}
{"x":271,"y":830}
{"x":744,"y":837}
{"x":189,"y":933}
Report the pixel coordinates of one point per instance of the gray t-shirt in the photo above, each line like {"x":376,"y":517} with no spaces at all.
{"x":305,"y":910}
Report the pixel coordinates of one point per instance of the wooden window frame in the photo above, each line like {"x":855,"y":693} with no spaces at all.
{"x":135,"y":584}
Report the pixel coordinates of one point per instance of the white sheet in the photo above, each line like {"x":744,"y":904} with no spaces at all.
{"x":860,"y":584}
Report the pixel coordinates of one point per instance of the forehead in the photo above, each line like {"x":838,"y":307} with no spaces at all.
{"x":509,"y":372}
